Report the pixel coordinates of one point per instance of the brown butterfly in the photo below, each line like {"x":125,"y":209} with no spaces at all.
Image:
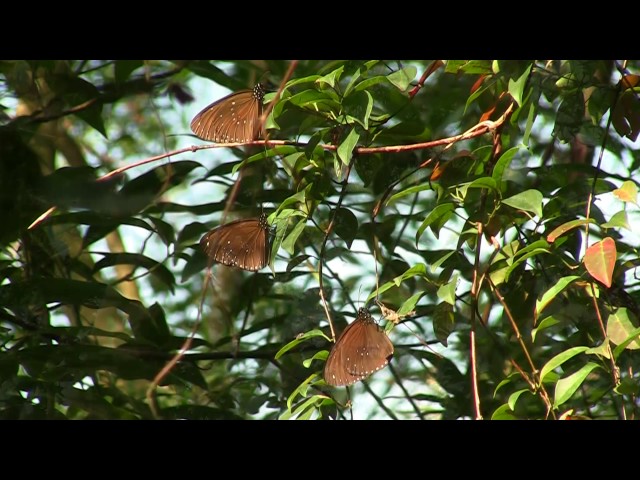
{"x":234,"y":118}
{"x":361,"y":350}
{"x":242,"y":243}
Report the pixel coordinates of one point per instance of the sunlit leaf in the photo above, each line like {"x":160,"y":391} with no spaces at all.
{"x":529,"y":201}
{"x":600,"y":260}
{"x":628,"y":192}
{"x":550,"y":294}
{"x":566,"y":387}
{"x":621,"y":326}
{"x":559,"y":359}
{"x":346,"y":147}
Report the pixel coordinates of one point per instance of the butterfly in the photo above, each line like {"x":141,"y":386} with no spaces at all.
{"x":361,"y":350}
{"x":242,"y":243}
{"x":234,"y":118}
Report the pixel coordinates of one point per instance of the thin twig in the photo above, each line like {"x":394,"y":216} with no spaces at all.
{"x":263,"y":118}
{"x":435,"y":65}
{"x":328,"y":231}
{"x":379,"y":401}
{"x":151,"y":390}
{"x":473,"y":132}
{"x":407,"y":395}
{"x":540,"y":387}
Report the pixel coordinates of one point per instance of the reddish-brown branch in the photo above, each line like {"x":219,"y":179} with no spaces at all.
{"x":475,"y":131}
{"x":435,"y":65}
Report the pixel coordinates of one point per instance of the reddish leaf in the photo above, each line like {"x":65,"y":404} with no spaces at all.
{"x":600,"y":259}
{"x":487,"y":115}
{"x":626,"y":115}
{"x":629,"y":81}
{"x":478,"y":83}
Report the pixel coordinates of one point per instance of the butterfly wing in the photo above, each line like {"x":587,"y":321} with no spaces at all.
{"x":241,"y":243}
{"x":361,"y":350}
{"x":234,"y":118}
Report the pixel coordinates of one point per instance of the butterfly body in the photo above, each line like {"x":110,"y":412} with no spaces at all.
{"x":242,"y":243}
{"x":361,"y":350}
{"x":234,"y":118}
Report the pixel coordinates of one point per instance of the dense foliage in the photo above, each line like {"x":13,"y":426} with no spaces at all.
{"x":482,"y":211}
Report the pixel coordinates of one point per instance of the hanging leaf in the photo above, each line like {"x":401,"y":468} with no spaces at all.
{"x":565,"y":227}
{"x":346,"y":148}
{"x":529,"y":201}
{"x":402,"y":78}
{"x":600,"y":260}
{"x":620,"y":326}
{"x":550,"y":294}
{"x":443,"y":322}
{"x":559,"y":359}
{"x":516,"y":87}
{"x":566,"y":387}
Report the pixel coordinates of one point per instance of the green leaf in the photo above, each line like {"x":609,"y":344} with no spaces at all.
{"x":359,"y":106}
{"x":516,"y":87}
{"x":447,"y":292}
{"x":513,"y":377}
{"x":298,"y":198}
{"x":410,"y":304}
{"x":469,"y":67}
{"x":92,"y":115}
{"x":300,"y":339}
{"x":529,"y":201}
{"x":570,"y":117}
{"x":331,"y":78}
{"x":513,"y":398}
{"x":370,"y":82}
{"x":531,"y":118}
{"x":618,"y":220}
{"x":204,"y":68}
{"x":443,"y":322}
{"x":417,"y":270}
{"x":408,"y":191}
{"x":315,"y":101}
{"x":403,"y":78}
{"x":346,"y":225}
{"x":156,"y":269}
{"x":633,"y":336}
{"x":621,"y":326}
{"x":544,"y":324}
{"x":321,"y":355}
{"x":550,"y":294}
{"x":566,"y":387}
{"x":628,"y":386}
{"x":289,"y":242}
{"x":559,"y":359}
{"x":164,"y":230}
{"x":346,"y":147}
{"x":305,"y":409}
{"x":124,"y":68}
{"x":437,"y":217}
{"x":301,"y":390}
{"x":502,"y":166}
{"x":483,"y":182}
{"x":503,"y":412}
{"x":601,"y":350}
